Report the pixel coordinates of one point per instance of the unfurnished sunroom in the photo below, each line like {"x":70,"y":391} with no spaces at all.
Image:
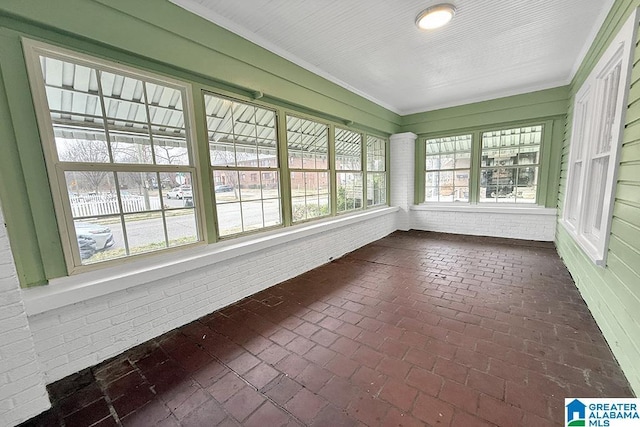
{"x":237,"y":213}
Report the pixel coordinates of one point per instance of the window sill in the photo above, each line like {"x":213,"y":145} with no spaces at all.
{"x":69,"y":290}
{"x":589,"y":250}
{"x":502,"y":209}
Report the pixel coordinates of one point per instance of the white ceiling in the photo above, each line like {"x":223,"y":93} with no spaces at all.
{"x":492,"y":48}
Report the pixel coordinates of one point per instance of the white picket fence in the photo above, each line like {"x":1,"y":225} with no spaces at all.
{"x":90,"y":205}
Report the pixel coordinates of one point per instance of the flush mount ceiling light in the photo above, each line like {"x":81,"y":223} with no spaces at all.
{"x":435,"y":16}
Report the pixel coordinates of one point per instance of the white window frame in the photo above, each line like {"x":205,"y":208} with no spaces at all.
{"x":56,"y":168}
{"x":453,"y":169}
{"x":240,"y":169}
{"x":518,"y":166}
{"x":356,"y":172}
{"x":373,"y":169}
{"x":593,"y":118}
{"x":304,"y":170}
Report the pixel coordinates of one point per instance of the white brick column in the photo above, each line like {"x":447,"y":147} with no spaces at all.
{"x":22,"y":390}
{"x":403,"y":176}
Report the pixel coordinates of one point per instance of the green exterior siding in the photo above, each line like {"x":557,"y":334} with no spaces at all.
{"x":613,"y":293}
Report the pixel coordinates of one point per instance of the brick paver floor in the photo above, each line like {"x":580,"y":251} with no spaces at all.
{"x":415,"y":329}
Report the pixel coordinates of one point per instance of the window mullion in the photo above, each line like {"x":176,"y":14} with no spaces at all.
{"x":105,"y":124}
{"x":149,"y":126}
{"x":68,"y":243}
{"x":285,"y":173}
{"x":333,"y":179}
{"x":122,"y":222}
{"x":365,"y":170}
{"x":420,"y":165}
{"x":125,"y":167}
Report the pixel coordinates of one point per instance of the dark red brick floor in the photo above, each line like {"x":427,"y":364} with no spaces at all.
{"x":415,"y":329}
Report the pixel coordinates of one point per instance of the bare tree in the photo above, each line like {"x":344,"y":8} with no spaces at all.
{"x":86,"y":151}
{"x":170,"y":152}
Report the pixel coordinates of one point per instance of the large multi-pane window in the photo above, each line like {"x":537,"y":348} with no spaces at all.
{"x":118,"y":147}
{"x":308,"y":154}
{"x":122,"y":160}
{"x":510,"y":164}
{"x":348,"y":169}
{"x":448,"y":163}
{"x":376,"y":171}
{"x":243,"y":149}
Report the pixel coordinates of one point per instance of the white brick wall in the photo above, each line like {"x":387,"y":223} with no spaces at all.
{"x":22,"y":390}
{"x":402,"y":176}
{"x":77,"y":336}
{"x":515,"y":223}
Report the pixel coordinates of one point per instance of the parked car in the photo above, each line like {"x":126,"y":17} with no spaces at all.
{"x":87,"y":246}
{"x":223,"y":188}
{"x":100,"y":234}
{"x":180,"y":192}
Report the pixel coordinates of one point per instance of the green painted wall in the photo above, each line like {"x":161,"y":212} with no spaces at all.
{"x":613,"y":293}
{"x":154,"y":35}
{"x":163,"y":32}
{"x":535,"y":105}
{"x":548,"y":107}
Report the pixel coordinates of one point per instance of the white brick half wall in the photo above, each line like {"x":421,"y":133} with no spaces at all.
{"x":528,"y":223}
{"x":22,"y":391}
{"x":71,"y":337}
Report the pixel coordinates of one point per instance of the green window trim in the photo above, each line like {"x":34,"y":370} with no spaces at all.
{"x":43,"y":267}
{"x":549,"y":158}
